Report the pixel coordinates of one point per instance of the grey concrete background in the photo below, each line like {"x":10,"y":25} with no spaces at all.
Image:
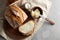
{"x":47,"y":31}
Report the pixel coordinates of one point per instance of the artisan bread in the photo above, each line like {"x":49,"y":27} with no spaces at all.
{"x":27,"y":28}
{"x":15,"y":16}
{"x":18,"y":12}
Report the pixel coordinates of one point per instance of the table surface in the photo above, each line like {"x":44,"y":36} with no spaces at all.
{"x":47,"y":31}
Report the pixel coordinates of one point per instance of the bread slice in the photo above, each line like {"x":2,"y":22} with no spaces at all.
{"x":15,"y":16}
{"x":27,"y":28}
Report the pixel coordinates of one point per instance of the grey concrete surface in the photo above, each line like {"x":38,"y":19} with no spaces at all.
{"x":47,"y":31}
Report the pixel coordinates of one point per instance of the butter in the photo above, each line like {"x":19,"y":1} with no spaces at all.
{"x":35,"y":13}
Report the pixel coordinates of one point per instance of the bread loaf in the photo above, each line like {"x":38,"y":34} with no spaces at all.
{"x":15,"y":16}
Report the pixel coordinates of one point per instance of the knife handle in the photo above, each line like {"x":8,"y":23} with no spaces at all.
{"x":50,"y":21}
